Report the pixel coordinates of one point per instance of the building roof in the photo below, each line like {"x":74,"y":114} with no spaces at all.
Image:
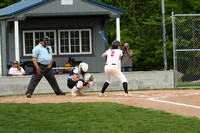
{"x":20,"y":6}
{"x":28,"y":4}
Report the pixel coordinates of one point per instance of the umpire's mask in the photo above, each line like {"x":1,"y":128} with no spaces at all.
{"x":46,"y":40}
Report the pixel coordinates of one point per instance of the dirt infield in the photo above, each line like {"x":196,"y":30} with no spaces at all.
{"x":184,"y":102}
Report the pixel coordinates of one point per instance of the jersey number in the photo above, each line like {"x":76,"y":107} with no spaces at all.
{"x":112,"y":53}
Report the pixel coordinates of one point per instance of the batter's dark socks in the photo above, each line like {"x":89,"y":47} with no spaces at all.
{"x":106,"y":84}
{"x":125,"y":85}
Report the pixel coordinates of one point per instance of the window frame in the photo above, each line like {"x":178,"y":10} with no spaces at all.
{"x":33,"y":31}
{"x":80,"y":42}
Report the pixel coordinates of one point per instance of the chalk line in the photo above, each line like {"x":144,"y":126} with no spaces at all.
{"x":180,"y":104}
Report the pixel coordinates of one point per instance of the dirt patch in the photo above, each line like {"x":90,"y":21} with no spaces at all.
{"x":184,"y":102}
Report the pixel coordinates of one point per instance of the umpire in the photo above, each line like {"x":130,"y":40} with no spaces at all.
{"x":42,"y":60}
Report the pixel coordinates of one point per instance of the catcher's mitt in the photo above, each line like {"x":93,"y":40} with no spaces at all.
{"x":88,"y":78}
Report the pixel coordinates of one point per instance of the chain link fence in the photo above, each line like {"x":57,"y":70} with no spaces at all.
{"x":186,"y":43}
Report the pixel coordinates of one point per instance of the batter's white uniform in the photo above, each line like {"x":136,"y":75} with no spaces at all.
{"x":113,"y":57}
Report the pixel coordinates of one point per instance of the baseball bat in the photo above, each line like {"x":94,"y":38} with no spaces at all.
{"x":103,"y":37}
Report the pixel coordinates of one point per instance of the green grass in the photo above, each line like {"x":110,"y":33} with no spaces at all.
{"x":91,"y":118}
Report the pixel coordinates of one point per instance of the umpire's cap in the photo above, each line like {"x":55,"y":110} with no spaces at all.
{"x":115,"y":44}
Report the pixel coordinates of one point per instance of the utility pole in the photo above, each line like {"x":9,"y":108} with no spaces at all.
{"x":164,"y":35}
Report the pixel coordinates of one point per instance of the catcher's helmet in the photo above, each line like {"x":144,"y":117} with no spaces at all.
{"x":83,"y":66}
{"x":115,"y":44}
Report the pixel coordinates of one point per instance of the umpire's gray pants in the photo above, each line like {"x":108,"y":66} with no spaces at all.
{"x":48,"y":74}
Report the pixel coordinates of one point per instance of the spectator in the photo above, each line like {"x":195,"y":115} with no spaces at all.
{"x":65,"y":70}
{"x":70,"y":61}
{"x":16,"y":70}
{"x":42,"y":60}
{"x":127,"y":63}
{"x":69,"y":64}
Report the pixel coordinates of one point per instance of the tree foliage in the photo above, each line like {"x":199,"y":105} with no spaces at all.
{"x":5,"y":3}
{"x":141,"y":27}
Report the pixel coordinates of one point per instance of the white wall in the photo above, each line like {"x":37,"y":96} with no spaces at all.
{"x":136,"y":80}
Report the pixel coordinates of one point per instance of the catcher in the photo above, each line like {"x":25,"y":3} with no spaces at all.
{"x":76,"y":84}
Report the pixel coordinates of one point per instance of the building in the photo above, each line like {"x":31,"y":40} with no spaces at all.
{"x":72,"y":25}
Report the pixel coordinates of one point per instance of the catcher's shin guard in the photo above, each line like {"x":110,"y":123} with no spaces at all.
{"x":74,"y":91}
{"x":125,"y":86}
{"x":79,"y":84}
{"x":106,"y":84}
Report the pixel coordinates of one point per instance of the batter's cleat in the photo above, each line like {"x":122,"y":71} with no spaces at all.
{"x":80,"y":93}
{"x":73,"y":94}
{"x":28,"y":95}
{"x":102,"y":95}
{"x":127,"y":95}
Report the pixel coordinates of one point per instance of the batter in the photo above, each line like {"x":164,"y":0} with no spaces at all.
{"x":113,"y":56}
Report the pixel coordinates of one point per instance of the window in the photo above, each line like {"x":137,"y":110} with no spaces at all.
{"x":66,"y":2}
{"x":85,"y":41}
{"x":70,"y":41}
{"x":32,"y":38}
{"x":75,"y":41}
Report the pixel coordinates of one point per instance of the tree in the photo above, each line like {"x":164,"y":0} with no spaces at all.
{"x":6,"y":3}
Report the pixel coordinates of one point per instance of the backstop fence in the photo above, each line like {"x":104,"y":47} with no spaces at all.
{"x":186,"y":49}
